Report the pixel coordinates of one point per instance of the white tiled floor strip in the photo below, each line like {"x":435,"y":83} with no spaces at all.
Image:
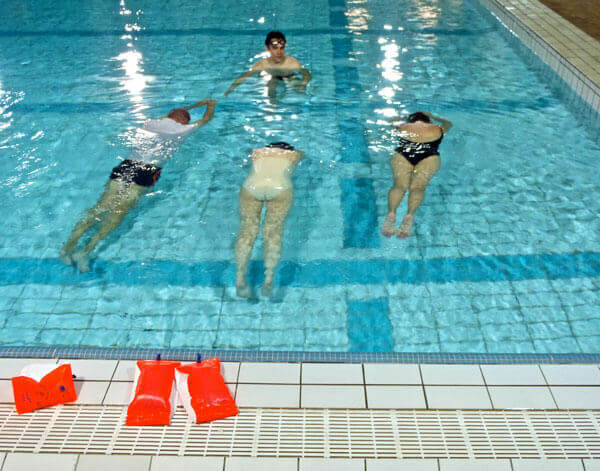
{"x":344,"y":389}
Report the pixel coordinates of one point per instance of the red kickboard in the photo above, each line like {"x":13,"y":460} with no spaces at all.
{"x":151,"y":404}
{"x":55,"y":388}
{"x":207,"y":393}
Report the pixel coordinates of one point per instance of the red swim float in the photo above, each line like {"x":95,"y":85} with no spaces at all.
{"x":203,"y":391}
{"x":43,"y":385}
{"x":154,"y":396}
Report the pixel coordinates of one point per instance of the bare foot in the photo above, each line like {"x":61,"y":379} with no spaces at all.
{"x":389,"y":228}
{"x":243,"y":290}
{"x":405,"y":228}
{"x":66,"y":257}
{"x":82,"y":261}
{"x":267,"y":289}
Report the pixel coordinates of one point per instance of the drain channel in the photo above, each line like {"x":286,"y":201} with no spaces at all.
{"x":322,"y":433}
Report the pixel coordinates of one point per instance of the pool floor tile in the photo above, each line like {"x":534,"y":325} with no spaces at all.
{"x":395,"y":397}
{"x":125,"y":370}
{"x":381,"y":373}
{"x":591,"y":465}
{"x":582,"y":397}
{"x":451,"y":374}
{"x":474,"y":465}
{"x":337,"y":464}
{"x":264,"y":395}
{"x":332,"y":373}
{"x":22,"y":461}
{"x":521,"y":397}
{"x":287,"y":373}
{"x":117,"y":462}
{"x":402,"y":465}
{"x":457,"y":397}
{"x":333,"y":396}
{"x":572,"y":374}
{"x":261,"y":464}
{"x":504,"y":375}
{"x":186,"y":463}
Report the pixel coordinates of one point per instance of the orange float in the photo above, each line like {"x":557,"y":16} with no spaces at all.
{"x":203,"y":391}
{"x":153,"y":395}
{"x":43,"y":385}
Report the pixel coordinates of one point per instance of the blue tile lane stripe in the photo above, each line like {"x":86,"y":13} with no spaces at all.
{"x":369,"y":326}
{"x":316,"y":273}
{"x":359,"y":213}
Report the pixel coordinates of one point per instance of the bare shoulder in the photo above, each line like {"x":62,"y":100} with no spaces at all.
{"x":262,"y":64}
{"x":292,"y":62}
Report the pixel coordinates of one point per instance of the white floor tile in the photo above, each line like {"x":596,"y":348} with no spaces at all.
{"x":337,"y":464}
{"x":119,"y":393}
{"x":402,"y":465}
{"x":582,"y":397}
{"x":572,"y":374}
{"x":457,"y":397}
{"x":125,"y":370}
{"x":333,"y":396}
{"x":591,"y":465}
{"x":10,"y":367}
{"x":521,"y":397}
{"x":186,"y":463}
{"x":381,"y":373}
{"x":395,"y":397}
{"x":261,"y":464}
{"x":99,"y":370}
{"x":451,"y":374}
{"x":90,"y":392}
{"x":44,"y":461}
{"x":331,"y":373}
{"x":230,"y":370}
{"x":262,"y":395}
{"x":475,"y":465}
{"x":547,"y":465}
{"x":116,"y":462}
{"x":6,"y":391}
{"x":522,"y":375}
{"x":287,"y":373}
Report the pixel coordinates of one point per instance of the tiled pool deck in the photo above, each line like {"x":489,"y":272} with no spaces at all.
{"x":257,"y":387}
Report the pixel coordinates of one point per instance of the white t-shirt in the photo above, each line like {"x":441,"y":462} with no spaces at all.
{"x":158,"y":139}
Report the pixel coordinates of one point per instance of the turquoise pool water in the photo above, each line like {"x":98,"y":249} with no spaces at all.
{"x":505,"y":257}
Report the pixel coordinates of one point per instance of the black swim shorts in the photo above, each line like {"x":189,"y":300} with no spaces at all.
{"x":140,"y":173}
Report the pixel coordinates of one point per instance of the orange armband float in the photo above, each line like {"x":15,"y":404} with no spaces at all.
{"x":203,"y":391}
{"x":153,"y":397}
{"x":43,"y":385}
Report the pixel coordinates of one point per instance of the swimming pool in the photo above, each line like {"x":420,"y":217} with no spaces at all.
{"x":506,"y":252}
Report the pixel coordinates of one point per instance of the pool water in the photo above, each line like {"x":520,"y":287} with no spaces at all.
{"x":505,"y":255}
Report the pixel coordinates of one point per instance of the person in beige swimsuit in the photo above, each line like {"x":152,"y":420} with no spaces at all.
{"x":269,"y":185}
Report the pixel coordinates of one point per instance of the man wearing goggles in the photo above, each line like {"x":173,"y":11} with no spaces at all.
{"x":278,"y":66}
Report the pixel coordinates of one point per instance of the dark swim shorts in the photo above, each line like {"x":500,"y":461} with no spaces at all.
{"x":281,"y":145}
{"x":140,"y":173}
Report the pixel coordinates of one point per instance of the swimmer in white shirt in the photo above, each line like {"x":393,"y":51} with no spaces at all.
{"x":268,"y":184}
{"x":155,"y":144}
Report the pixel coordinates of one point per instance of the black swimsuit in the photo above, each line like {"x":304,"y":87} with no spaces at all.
{"x":134,"y":171}
{"x":414,"y":152}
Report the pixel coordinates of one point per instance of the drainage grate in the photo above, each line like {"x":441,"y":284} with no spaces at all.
{"x":323,"y":433}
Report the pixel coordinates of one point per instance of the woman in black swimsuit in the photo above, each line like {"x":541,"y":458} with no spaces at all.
{"x":414,"y":163}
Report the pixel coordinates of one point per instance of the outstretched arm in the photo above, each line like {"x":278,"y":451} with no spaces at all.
{"x":196,"y":105}
{"x":241,"y":79}
{"x":208,"y":114}
{"x":444,"y":123}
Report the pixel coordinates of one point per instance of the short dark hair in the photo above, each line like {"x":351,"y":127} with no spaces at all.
{"x":274,"y":35}
{"x":180,"y":113}
{"x":418,"y":116}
